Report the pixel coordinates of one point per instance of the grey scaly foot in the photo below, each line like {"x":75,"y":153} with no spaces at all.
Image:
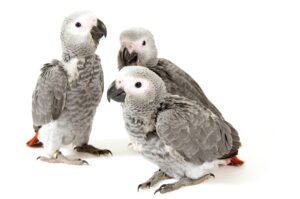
{"x":93,"y":150}
{"x":58,"y":157}
{"x":156,"y":178}
{"x":165,"y":188}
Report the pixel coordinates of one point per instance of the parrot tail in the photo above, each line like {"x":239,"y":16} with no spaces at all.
{"x":34,"y":142}
{"x":235,"y":161}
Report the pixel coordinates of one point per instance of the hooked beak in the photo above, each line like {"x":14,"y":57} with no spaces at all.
{"x":98,"y":31}
{"x":116,"y":94}
{"x":129,"y":58}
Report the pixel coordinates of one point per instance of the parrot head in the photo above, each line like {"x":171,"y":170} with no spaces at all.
{"x":137,"y":48}
{"x":81,"y":32}
{"x":137,"y":86}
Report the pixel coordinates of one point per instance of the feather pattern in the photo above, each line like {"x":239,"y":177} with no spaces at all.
{"x":69,"y":106}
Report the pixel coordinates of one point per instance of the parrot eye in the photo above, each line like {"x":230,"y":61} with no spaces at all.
{"x":144,"y":43}
{"x":138,"y":85}
{"x":78,"y":24}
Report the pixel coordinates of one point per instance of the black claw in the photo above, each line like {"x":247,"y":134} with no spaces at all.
{"x":212,"y":175}
{"x":157,"y":190}
{"x":160,"y":188}
{"x":38,"y":158}
{"x":139,"y":187}
{"x":105,"y":152}
{"x":92,"y":150}
{"x":85,"y":162}
{"x":148,"y":185}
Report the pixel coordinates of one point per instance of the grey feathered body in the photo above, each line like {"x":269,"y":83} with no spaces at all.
{"x":180,"y":83}
{"x":181,"y":137}
{"x":65,"y":107}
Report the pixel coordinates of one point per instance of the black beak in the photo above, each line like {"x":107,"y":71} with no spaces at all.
{"x":98,"y":31}
{"x":115,"y":94}
{"x":129,"y":58}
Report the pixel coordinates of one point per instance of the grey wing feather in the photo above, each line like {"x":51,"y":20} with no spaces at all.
{"x":49,"y":96}
{"x":196,"y":134}
{"x":180,"y":83}
{"x":235,"y":142}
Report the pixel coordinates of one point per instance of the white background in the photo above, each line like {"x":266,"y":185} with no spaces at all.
{"x":244,"y":54}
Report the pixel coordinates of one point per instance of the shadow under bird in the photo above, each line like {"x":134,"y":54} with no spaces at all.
{"x":183,"y":138}
{"x":68,"y":92}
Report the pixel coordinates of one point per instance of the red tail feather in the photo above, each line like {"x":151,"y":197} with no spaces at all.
{"x":235,"y":161}
{"x":34,"y":142}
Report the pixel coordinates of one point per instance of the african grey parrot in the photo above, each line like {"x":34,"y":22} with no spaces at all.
{"x":185,"y":139}
{"x":68,"y":92}
{"x":138,"y":48}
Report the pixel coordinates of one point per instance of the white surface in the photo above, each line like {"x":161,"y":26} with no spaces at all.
{"x":245,"y":55}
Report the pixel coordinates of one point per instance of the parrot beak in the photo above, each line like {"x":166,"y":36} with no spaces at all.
{"x":117,"y":94}
{"x":129,"y":58}
{"x":98,"y":31}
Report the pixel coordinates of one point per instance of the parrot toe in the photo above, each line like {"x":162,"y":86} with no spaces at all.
{"x":156,"y":178}
{"x":145,"y":185}
{"x":86,"y":148}
{"x":165,"y":188}
{"x":60,"y":158}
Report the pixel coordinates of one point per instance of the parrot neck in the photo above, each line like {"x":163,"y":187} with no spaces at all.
{"x":144,"y":111}
{"x":69,"y":56}
{"x":152,"y":62}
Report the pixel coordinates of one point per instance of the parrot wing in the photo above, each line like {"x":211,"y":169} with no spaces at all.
{"x":49,"y":96}
{"x":195,"y":133}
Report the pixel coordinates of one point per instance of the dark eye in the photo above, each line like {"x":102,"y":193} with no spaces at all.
{"x":144,"y":43}
{"x":78,"y":24}
{"x":138,"y":85}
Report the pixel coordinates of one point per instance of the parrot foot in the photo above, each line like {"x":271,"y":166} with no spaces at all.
{"x":165,"y":188}
{"x":156,"y":178}
{"x":58,"y":157}
{"x":92,"y":150}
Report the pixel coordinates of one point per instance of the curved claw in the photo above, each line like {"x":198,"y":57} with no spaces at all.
{"x":39,"y":157}
{"x":212,"y":175}
{"x":139,"y":187}
{"x":85,"y":162}
{"x":144,"y":185}
{"x":159,"y":189}
{"x":106,"y":152}
{"x":92,"y":150}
